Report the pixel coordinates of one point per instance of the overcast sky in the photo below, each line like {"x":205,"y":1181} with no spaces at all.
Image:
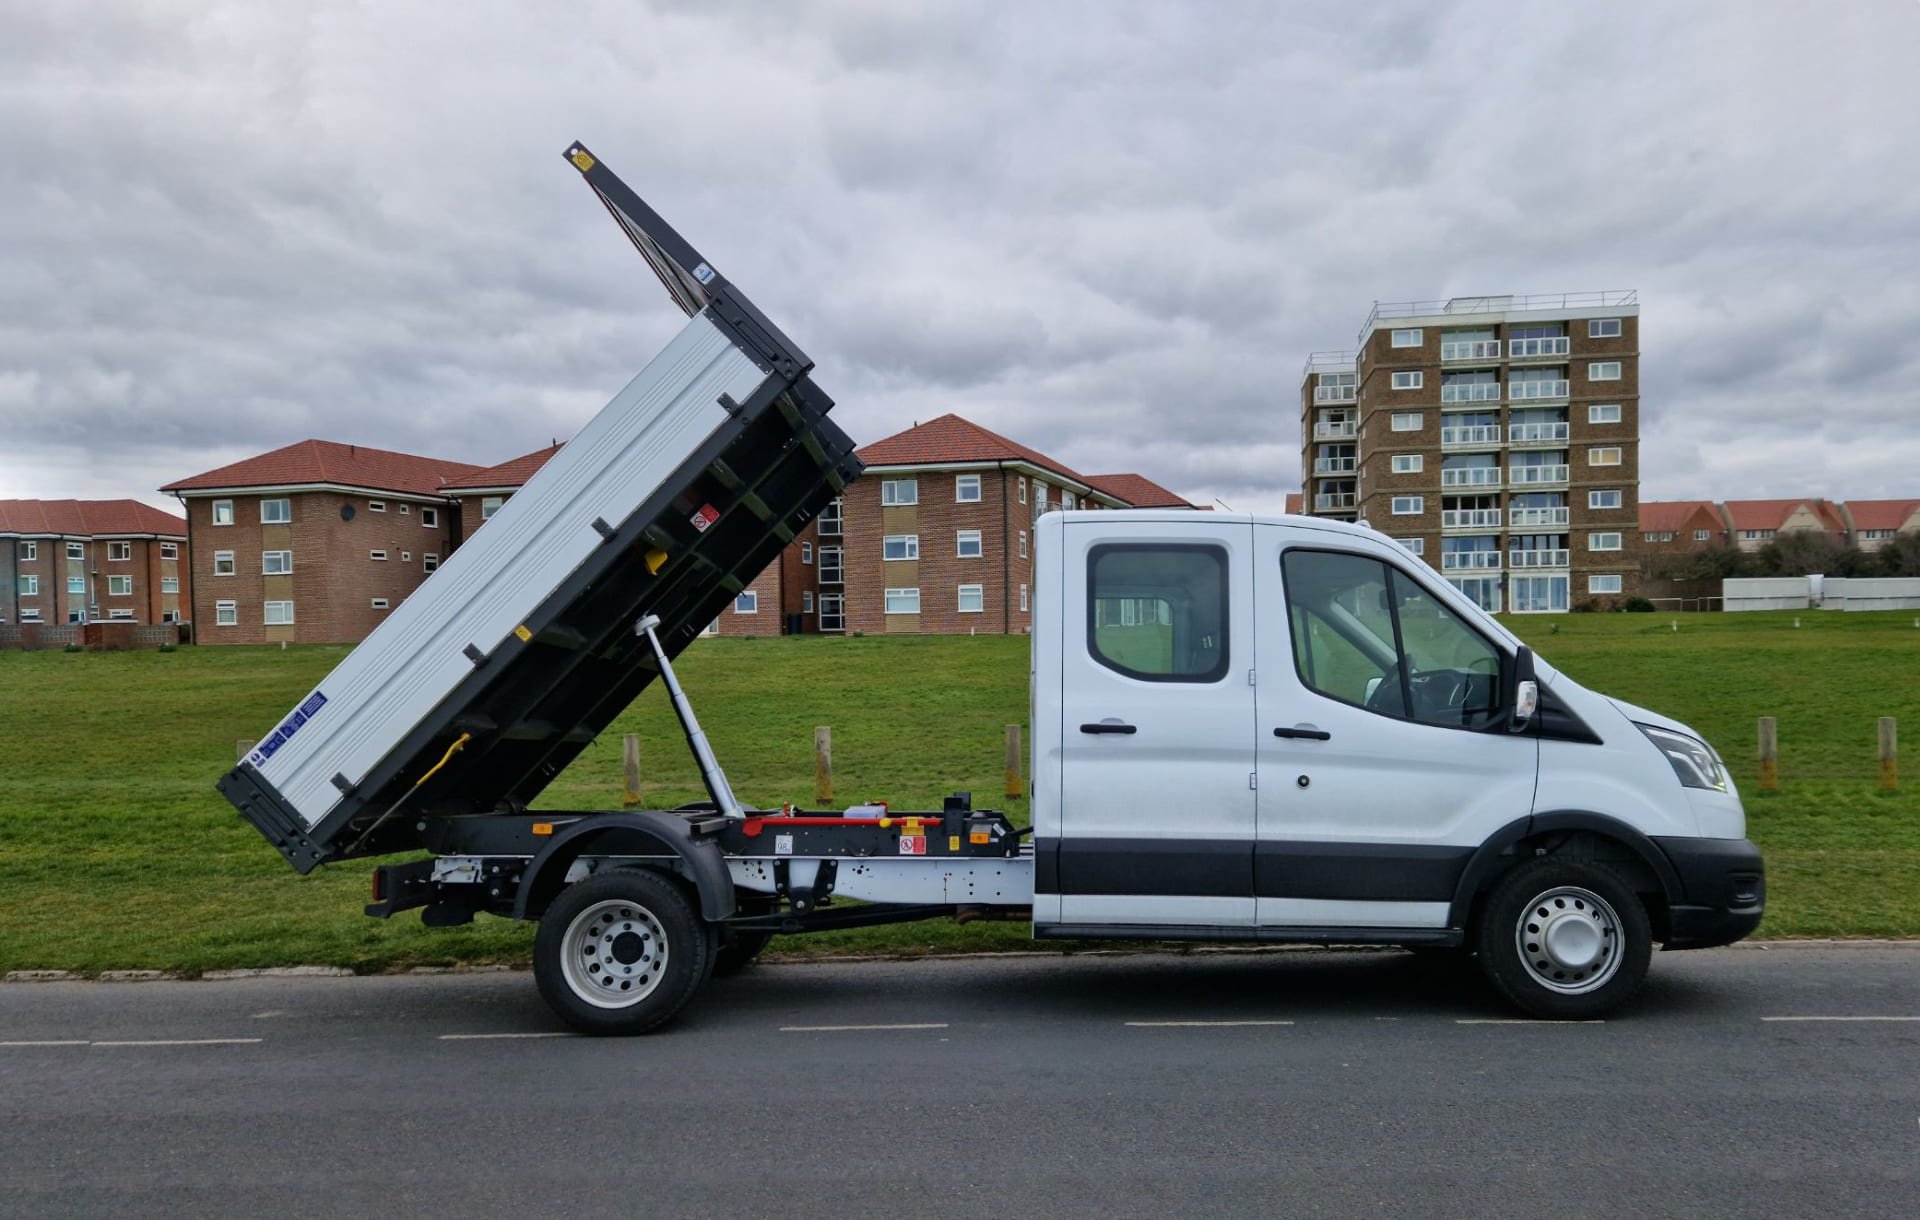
{"x":1110,"y":231}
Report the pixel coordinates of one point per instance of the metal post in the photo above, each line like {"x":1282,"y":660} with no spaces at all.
{"x":630,"y":768}
{"x":710,"y":772}
{"x":1769,"y":755}
{"x":1014,"y":787}
{"x":1889,"y":756}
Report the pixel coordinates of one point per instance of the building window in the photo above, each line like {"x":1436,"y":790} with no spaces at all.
{"x":119,"y":552}
{"x":833,"y":612}
{"x":1039,"y":499}
{"x":1540,"y":594}
{"x":406,"y":556}
{"x":1603,"y":584}
{"x":1603,"y":499}
{"x":279,"y":614}
{"x":169,"y":584}
{"x":1609,"y":541}
{"x":226,"y":614}
{"x":276,"y":563}
{"x":806,"y":552}
{"x":120,"y":614}
{"x":1023,"y":599}
{"x":896,"y":493}
{"x":1603,"y":370}
{"x":223,"y":563}
{"x":903,"y":601}
{"x":973,"y":599}
{"x":1406,"y":421}
{"x":1411,"y":380}
{"x":168,"y":550}
{"x":430,"y":517}
{"x":1067,"y":501}
{"x":1409,"y":506}
{"x":119,"y":586}
{"x":748,"y":602}
{"x":966,"y":488}
{"x":1023,"y":489}
{"x":376,"y":506}
{"x":830,"y":519}
{"x":430,"y":563}
{"x":29,"y":550}
{"x":29,"y":586}
{"x":490,"y":505}
{"x":1408,"y":463}
{"x":832,"y":571}
{"x":1407,"y":338}
{"x":1702,"y":535}
{"x":806,"y":601}
{"x":1603,"y":413}
{"x":377,"y":556}
{"x":77,"y":586}
{"x":76,"y":550}
{"x":1755,"y":535}
{"x":1023,"y":544}
{"x":1608,"y":456}
{"x":406,"y":510}
{"x":900,"y":546}
{"x":223,"y":512}
{"x":379,"y":603}
{"x":276,"y":512}
{"x":1603,"y":328}
{"x":1415,"y":546}
{"x":967,"y":544}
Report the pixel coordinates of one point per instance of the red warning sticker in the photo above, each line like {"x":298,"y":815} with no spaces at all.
{"x":706,"y":515}
{"x":913,"y":845}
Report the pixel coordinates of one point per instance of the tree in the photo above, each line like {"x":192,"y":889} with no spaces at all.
{"x":1801,"y":553}
{"x":1901,"y":555}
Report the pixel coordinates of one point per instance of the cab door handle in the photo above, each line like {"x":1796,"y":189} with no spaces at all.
{"x":1108,"y":726}
{"x":1308,"y":734}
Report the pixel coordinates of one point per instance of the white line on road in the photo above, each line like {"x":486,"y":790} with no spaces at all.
{"x":843,"y":1029}
{"x":551,"y":1033}
{"x":1522,"y":1021}
{"x":81,"y":1042}
{"x":1197,"y":1024}
{"x":184,"y":1042}
{"x":1840,"y":1018}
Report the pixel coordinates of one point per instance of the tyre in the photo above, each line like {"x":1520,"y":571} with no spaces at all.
{"x":1564,"y":939}
{"x":621,"y":952}
{"x":737,"y":951}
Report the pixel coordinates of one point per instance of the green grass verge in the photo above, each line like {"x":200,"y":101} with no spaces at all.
{"x":116,"y":853}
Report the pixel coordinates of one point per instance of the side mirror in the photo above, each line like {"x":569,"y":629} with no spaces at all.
{"x":1526,"y":691}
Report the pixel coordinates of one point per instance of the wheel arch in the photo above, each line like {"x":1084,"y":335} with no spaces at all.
{"x":641,"y":832}
{"x":1567,"y":830}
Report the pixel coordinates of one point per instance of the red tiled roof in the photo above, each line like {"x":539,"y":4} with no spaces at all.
{"x":85,"y":518}
{"x":1296,"y":502}
{"x":1671,"y":516}
{"x":1772,"y":514}
{"x":313,"y":461}
{"x":952,"y":439}
{"x":1138,"y":490}
{"x":507,"y":474}
{"x":1881,"y":514}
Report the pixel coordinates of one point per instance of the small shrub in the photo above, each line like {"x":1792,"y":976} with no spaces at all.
{"x":1637,"y":605}
{"x":73,"y":648}
{"x":169,"y":648}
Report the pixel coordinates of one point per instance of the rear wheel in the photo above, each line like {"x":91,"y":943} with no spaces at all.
{"x":1564,"y":939}
{"x":621,"y":952}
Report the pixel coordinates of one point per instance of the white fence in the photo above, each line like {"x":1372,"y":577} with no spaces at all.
{"x":1822,"y":593}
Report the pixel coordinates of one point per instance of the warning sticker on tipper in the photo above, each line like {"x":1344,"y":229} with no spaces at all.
{"x":706,"y":516}
{"x":783,"y":845}
{"x":913,"y":845}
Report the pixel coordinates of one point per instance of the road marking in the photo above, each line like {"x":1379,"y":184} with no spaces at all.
{"x":1840,"y":1018}
{"x":184,"y":1042}
{"x":80,"y":1042}
{"x":844,"y":1029}
{"x":551,"y":1033}
{"x":1523,"y":1021}
{"x":1197,"y":1024}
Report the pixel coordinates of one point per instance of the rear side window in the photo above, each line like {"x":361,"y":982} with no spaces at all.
{"x":1158,"y":612}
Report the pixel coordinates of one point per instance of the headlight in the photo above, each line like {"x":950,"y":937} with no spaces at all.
{"x":1693,"y":760}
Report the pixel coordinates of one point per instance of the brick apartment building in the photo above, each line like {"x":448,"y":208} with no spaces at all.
{"x":83,"y":561}
{"x":1496,"y":437}
{"x":315,"y":542}
{"x":1674,"y":527}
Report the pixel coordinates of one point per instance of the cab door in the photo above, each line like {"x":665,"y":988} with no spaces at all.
{"x":1157,"y":720}
{"x":1384,"y":754}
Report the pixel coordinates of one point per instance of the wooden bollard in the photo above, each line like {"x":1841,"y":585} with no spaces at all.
{"x":1014,"y":786}
{"x":630,"y":768}
{"x":1769,"y":755}
{"x":1889,"y":756}
{"x":823,"y":763}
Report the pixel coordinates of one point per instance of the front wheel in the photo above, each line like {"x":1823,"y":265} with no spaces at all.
{"x":621,"y":952}
{"x":1564,"y":939}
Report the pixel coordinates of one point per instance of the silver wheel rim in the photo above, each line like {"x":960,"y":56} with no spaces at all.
{"x":1569,"y":940}
{"x":614,"y":954}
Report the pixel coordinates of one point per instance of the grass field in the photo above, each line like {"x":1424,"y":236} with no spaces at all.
{"x":115,"y":852}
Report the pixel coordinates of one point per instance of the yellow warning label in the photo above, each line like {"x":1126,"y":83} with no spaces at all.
{"x":655,"y":561}
{"x":523,"y":633}
{"x":582,"y":158}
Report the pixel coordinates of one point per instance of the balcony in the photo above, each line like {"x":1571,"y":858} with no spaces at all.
{"x":1528,"y":518}
{"x":1470,"y":561}
{"x":1535,"y":434}
{"x":1534,"y":476}
{"x":1472,"y":476}
{"x":1334,"y":501}
{"x":1536,"y":349}
{"x":1335,"y":465}
{"x":1471,"y":349}
{"x":1345,"y":431}
{"x":1336,"y":393}
{"x":1469,"y":518}
{"x":1470,"y":391}
{"x":1526,"y":391}
{"x":1469,"y":436}
{"x":1540,"y":559}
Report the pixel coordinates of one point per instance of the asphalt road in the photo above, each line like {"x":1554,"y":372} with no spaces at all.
{"x":1292,"y":1083}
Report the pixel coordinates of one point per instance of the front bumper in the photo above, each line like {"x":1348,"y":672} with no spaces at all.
{"x":1723,"y":886}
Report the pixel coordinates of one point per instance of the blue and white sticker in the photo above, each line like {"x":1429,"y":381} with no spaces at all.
{"x":291,"y":725}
